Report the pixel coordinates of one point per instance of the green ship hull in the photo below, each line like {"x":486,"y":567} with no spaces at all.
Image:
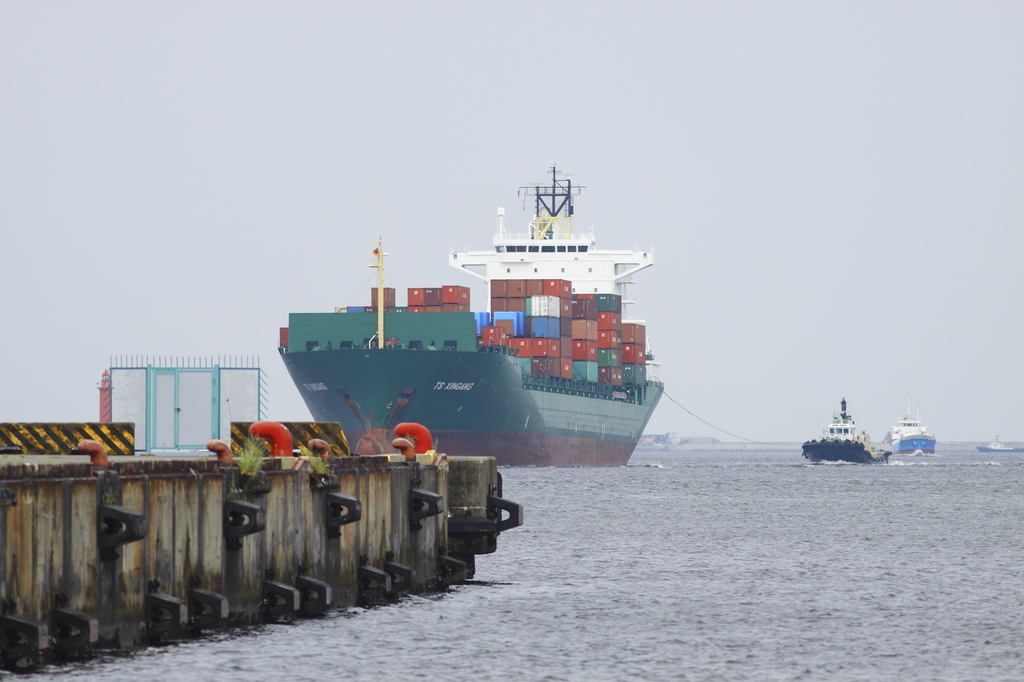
{"x":474,"y":403}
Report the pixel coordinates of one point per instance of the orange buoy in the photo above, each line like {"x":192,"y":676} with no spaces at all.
{"x":278,"y":435}
{"x":419,"y":433}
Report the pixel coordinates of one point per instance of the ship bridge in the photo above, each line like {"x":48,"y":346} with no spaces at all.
{"x":552,"y":248}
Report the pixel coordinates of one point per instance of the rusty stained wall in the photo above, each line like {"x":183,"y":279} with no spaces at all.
{"x":51,"y":558}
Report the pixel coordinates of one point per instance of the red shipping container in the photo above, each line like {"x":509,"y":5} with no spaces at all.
{"x":584,"y":329}
{"x":585,"y":297}
{"x":523,"y":345}
{"x":584,"y":309}
{"x":565,"y":307}
{"x":608,"y":338}
{"x":493,"y":336}
{"x":634,"y":354}
{"x":516,"y":288}
{"x":516,"y":305}
{"x":609,"y":321}
{"x":546,"y":367}
{"x":415,"y":297}
{"x":634,"y":333}
{"x":455,"y":294}
{"x":609,"y":376}
{"x":416,"y":309}
{"x":534,"y":287}
{"x":565,"y":343}
{"x":370,"y":309}
{"x":549,"y":348}
{"x":499,"y":305}
{"x":432,"y":309}
{"x":508,"y":327}
{"x":454,"y":308}
{"x":432,"y":297}
{"x":584,"y":350}
{"x":566,"y":368}
{"x":557,"y":287}
{"x":389,"y":297}
{"x":282,"y":339}
{"x":565,"y":326}
{"x":499,"y":288}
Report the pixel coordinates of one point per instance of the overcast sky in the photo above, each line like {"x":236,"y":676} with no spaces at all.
{"x":834,"y":191}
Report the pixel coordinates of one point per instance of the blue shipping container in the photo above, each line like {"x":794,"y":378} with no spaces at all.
{"x":545,"y":327}
{"x":356,"y":309}
{"x":635,"y":375}
{"x":482,"y":320}
{"x":518,"y":321}
{"x":582,"y":370}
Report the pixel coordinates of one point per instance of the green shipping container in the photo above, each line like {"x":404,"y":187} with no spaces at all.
{"x":608,"y":357}
{"x":634,"y":375}
{"x":583,"y":370}
{"x":609,"y":303}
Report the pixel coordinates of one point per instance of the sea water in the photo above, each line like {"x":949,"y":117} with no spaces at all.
{"x":688,"y":566}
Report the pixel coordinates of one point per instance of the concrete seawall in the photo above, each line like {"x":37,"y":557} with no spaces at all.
{"x":155,"y":548}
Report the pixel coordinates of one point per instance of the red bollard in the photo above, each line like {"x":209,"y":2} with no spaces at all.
{"x":222,"y":450}
{"x":420,"y":436}
{"x":279,"y":436}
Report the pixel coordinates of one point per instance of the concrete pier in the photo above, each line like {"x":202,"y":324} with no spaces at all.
{"x":155,"y":548}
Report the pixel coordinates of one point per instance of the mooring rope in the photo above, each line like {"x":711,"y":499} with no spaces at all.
{"x":749,"y":440}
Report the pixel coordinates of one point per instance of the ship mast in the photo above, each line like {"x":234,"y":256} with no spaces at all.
{"x":378,"y":251}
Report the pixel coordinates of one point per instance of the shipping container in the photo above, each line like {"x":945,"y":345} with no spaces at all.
{"x":634,"y":333}
{"x":370,"y":309}
{"x":454,"y":308}
{"x":608,"y":357}
{"x":609,"y":303}
{"x":543,"y":327}
{"x":432,"y":308}
{"x":546,"y":366}
{"x":566,"y":325}
{"x":526,"y":364}
{"x":455,"y":294}
{"x":558,"y":287}
{"x":584,"y":329}
{"x":482,"y":320}
{"x":499,"y":288}
{"x":565,"y":307}
{"x":516,"y":288}
{"x":634,"y":353}
{"x":606,"y":320}
{"x":493,"y":336}
{"x":516,"y":305}
{"x":551,"y":348}
{"x":389,"y":297}
{"x":608,"y":338}
{"x":523,"y":345}
{"x":584,"y":309}
{"x":609,"y":376}
{"x":585,"y":297}
{"x":283,"y":338}
{"x":518,"y":321}
{"x":634,"y":375}
{"x":584,"y":350}
{"x":506,"y":326}
{"x":584,"y":371}
{"x":566,"y":344}
{"x":499,"y":305}
{"x":432,"y":297}
{"x":415,"y":297}
{"x":357,"y":309}
{"x":542,"y":306}
{"x":417,"y":309}
{"x":566,"y":366}
{"x":534,"y":287}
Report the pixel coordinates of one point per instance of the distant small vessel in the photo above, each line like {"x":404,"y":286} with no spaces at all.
{"x":996,"y":446}
{"x":840,"y":442}
{"x":910,"y":436}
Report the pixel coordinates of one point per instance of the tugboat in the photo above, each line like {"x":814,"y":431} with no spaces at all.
{"x":840,"y":442}
{"x":996,"y":446}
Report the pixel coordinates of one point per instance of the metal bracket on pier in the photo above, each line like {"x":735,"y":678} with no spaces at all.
{"x":73,"y":630}
{"x":164,"y":614}
{"x":280,"y":601}
{"x":402,"y":577}
{"x":423,"y":503}
{"x":241,"y":519}
{"x":493,"y":523}
{"x":373,"y":584}
{"x":118,"y":526}
{"x":23,"y":639}
{"x":341,"y":510}
{"x":450,"y":570}
{"x":496,"y":505}
{"x":206,"y":608}
{"x":314,"y":596}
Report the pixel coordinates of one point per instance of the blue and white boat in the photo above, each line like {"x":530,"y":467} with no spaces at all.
{"x":910,"y":436}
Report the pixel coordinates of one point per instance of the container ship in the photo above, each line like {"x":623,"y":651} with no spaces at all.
{"x":557,"y":371}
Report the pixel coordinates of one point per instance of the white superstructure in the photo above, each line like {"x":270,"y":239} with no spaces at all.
{"x":551,"y":248}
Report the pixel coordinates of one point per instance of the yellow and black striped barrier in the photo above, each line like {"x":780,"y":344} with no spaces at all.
{"x":60,"y":438}
{"x":302,"y":433}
